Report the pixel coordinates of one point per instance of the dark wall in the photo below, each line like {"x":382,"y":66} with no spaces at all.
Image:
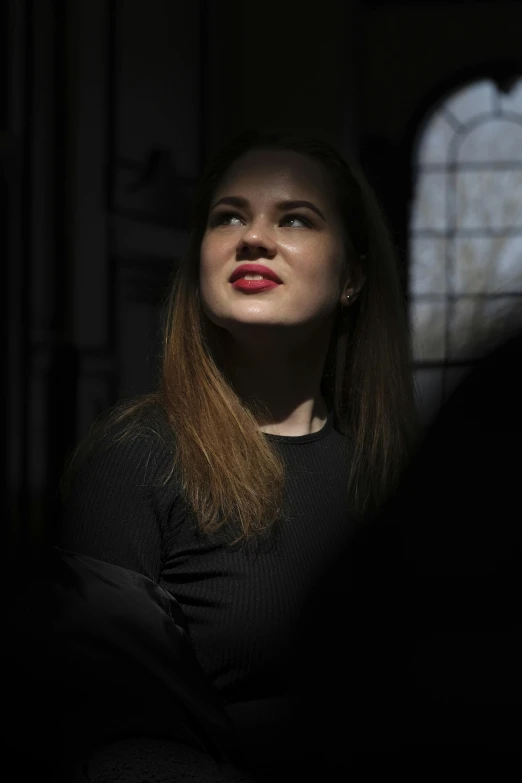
{"x":4,"y":49}
{"x":108,"y":112}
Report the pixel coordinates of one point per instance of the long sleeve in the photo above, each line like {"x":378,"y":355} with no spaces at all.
{"x":157,"y":761}
{"x":113,"y":508}
{"x":129,"y":698}
{"x":115,"y":675}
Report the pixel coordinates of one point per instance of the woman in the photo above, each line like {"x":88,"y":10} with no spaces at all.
{"x":283,"y":418}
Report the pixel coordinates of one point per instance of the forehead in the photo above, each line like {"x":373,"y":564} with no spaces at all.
{"x":281,"y":173}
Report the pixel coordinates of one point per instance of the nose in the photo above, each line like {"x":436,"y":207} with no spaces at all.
{"x":257,"y":240}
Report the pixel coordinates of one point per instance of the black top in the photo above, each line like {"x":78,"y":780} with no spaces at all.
{"x":242,"y":604}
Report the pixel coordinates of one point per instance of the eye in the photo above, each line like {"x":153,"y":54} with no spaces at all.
{"x":224,"y":218}
{"x":306,"y":223}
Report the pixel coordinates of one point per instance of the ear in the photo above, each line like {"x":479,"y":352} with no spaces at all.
{"x":354,"y":283}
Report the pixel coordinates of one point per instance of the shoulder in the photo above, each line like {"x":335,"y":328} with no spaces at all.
{"x":132,"y":443}
{"x":119,"y":491}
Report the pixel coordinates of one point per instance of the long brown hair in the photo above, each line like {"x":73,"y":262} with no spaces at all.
{"x":226,"y":468}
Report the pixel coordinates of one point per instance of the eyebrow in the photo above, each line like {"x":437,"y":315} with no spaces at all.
{"x":239,"y":201}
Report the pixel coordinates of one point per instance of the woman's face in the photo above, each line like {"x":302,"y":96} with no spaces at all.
{"x":249,"y":222}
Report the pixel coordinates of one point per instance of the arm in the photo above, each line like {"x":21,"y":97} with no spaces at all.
{"x":114,"y":512}
{"x":116,"y":664}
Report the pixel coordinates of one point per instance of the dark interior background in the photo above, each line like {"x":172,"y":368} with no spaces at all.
{"x":108,"y":111}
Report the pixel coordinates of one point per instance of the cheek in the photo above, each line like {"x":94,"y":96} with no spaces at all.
{"x":204,"y":252}
{"x":321,"y":260}
{"x":213,"y":252}
{"x":207,"y":261}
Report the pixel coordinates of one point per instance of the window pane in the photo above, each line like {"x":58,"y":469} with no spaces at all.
{"x":429,"y":385}
{"x":467,"y":328}
{"x":477,"y":202}
{"x":488,"y":265}
{"x":429,"y":205}
{"x":513,"y":100}
{"x":494,"y":140}
{"x":472,"y":100}
{"x":427,"y":265}
{"x":477,"y":325}
{"x":435,"y":141}
{"x":489,"y":199}
{"x":428,"y":324}
{"x":504,"y":315}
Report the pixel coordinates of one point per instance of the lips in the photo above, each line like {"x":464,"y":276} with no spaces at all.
{"x":254,"y":269}
{"x":254,"y":286}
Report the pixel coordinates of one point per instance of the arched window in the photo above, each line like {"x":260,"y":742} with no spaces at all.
{"x":465,"y":234}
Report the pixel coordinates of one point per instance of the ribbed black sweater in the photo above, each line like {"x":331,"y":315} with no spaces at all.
{"x":242,"y":604}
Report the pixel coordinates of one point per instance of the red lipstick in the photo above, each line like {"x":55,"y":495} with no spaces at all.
{"x":254,"y":269}
{"x":253,"y":286}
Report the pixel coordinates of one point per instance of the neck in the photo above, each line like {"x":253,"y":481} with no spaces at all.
{"x":282,"y":388}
